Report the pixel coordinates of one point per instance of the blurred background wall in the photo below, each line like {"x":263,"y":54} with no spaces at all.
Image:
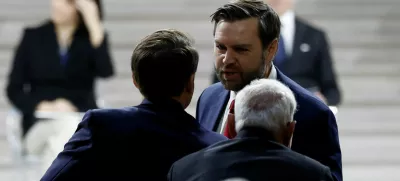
{"x":365,"y":39}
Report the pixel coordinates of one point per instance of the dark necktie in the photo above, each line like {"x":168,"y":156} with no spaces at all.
{"x":229,"y":130}
{"x":281,"y":54}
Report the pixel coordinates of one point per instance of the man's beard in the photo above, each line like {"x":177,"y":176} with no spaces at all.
{"x":246,"y":77}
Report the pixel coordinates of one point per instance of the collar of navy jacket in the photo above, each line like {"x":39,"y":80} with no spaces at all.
{"x":170,"y":108}
{"x":256,"y":132}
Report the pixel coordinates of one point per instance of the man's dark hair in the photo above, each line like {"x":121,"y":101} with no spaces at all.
{"x":269,"y":24}
{"x":163,"y":62}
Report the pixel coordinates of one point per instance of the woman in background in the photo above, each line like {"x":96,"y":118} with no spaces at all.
{"x":56,"y":64}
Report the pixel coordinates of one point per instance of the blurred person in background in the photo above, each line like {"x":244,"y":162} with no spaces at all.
{"x":263,"y":116}
{"x":304,"y":54}
{"x":56,"y":63}
{"x":141,"y":142}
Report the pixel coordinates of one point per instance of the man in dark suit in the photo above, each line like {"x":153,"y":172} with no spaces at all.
{"x":304,"y":54}
{"x":263,"y":114}
{"x":246,"y":40}
{"x":141,"y":142}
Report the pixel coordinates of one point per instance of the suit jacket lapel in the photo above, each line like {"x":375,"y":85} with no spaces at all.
{"x":291,"y":62}
{"x":218,"y":109}
{"x":279,"y":76}
{"x":289,"y":83}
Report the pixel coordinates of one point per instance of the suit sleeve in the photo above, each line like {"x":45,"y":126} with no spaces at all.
{"x":102,"y":59}
{"x":326,"y":73}
{"x":18,"y":78}
{"x":76,"y":161}
{"x":329,"y":149}
{"x":327,"y":175}
{"x":171,"y":173}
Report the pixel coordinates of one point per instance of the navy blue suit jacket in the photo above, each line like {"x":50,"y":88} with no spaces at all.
{"x":316,"y":132}
{"x":135,"y":143}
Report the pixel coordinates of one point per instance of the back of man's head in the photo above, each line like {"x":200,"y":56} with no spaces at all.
{"x":164,"y":63}
{"x":267,"y":104}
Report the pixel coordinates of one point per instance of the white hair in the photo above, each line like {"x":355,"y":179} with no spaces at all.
{"x":265,"y":103}
{"x":235,"y":179}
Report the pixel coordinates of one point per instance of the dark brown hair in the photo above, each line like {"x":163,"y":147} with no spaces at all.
{"x":269,"y":23}
{"x":163,"y":62}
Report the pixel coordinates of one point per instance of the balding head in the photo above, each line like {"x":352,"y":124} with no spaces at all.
{"x":268,"y":104}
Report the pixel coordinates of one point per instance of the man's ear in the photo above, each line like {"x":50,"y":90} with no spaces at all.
{"x":270,"y":51}
{"x":134,"y":81}
{"x":290,"y":127}
{"x":190,"y":85}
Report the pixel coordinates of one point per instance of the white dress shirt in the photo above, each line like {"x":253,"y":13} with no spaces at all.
{"x":288,"y":30}
{"x":221,"y":126}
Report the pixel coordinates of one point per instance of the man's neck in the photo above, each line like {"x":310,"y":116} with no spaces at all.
{"x":181,"y":100}
{"x":268,"y":73}
{"x":272,"y":74}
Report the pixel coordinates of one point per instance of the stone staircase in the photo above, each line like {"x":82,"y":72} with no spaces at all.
{"x":365,"y":46}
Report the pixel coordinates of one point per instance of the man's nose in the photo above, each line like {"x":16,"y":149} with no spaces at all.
{"x":229,"y":57}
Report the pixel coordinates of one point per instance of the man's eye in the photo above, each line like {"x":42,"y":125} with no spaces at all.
{"x":241,"y":50}
{"x":219,"y":47}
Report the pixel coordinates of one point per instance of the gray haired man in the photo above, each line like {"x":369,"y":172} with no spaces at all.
{"x":263,"y":119}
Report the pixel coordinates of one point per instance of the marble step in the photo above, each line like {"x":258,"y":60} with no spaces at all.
{"x":126,"y":34}
{"x":347,"y":62}
{"x":352,"y":122}
{"x":370,"y":172}
{"x":357,"y":150}
{"x":357,"y":91}
{"x":128,"y":2}
{"x":357,"y":120}
{"x":136,"y":2}
{"x":370,"y":149}
{"x":196,"y":9}
{"x":113,"y":4}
